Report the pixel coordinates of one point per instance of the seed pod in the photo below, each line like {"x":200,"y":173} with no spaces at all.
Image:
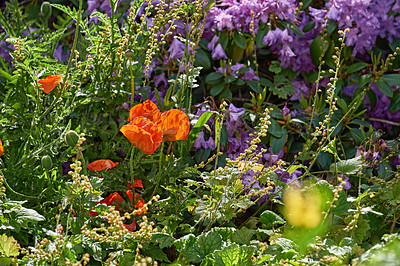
{"x":72,"y":138}
{"x":47,"y":163}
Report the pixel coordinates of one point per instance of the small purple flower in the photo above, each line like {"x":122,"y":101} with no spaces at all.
{"x":66,"y":167}
{"x":285,"y":111}
{"x":218,"y":53}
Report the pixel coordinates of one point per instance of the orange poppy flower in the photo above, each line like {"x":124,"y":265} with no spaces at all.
{"x":130,"y":227}
{"x":139,"y":204}
{"x":143,"y":134}
{"x":100,"y":165}
{"x":49,"y":83}
{"x":148,"y":126}
{"x":1,"y":149}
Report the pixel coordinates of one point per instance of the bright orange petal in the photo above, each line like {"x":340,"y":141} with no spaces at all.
{"x":175,"y":125}
{"x":1,"y":149}
{"x":139,"y":204}
{"x":49,"y":83}
{"x":100,"y":165}
{"x":143,"y":134}
{"x":147,"y":109}
{"x":112,"y":199}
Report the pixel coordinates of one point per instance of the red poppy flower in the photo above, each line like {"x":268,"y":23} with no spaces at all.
{"x":49,"y":83}
{"x":143,"y":134}
{"x":1,"y":149}
{"x":100,"y":165}
{"x":130,"y":227}
{"x":137,"y":183}
{"x":112,"y":199}
{"x":148,"y":126}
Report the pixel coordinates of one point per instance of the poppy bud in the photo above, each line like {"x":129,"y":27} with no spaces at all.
{"x":72,"y":138}
{"x":47,"y":163}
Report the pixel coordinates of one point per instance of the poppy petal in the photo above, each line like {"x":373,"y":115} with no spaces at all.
{"x":49,"y":83}
{"x":137,"y":183}
{"x":1,"y":149}
{"x":143,"y":134}
{"x":130,"y":227}
{"x":100,"y":165}
{"x":112,"y":199}
{"x":146,"y":109}
{"x":139,"y":204}
{"x":175,"y":125}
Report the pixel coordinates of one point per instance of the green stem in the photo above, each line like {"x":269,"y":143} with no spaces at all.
{"x":132,"y":82}
{"x":159,"y":169}
{"x":132,"y":178}
{"x":63,"y":85}
{"x":15,"y":192}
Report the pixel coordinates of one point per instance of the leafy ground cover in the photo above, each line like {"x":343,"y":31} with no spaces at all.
{"x":178,"y":132}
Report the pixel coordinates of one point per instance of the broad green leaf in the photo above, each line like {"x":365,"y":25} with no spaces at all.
{"x":164,"y":240}
{"x":278,"y":143}
{"x":216,"y":89}
{"x":234,"y":255}
{"x":214,"y":78}
{"x":242,"y":236}
{"x":156,"y":253}
{"x":356,"y":67}
{"x":205,"y":244}
{"x":384,"y":87}
{"x":271,"y":218}
{"x":202,"y":59}
{"x":24,"y":214}
{"x":347,"y":167}
{"x":197,"y":128}
{"x":395,"y":103}
{"x":8,"y":246}
{"x":393,"y":79}
{"x":239,"y":39}
{"x":274,"y":128}
{"x":372,"y":99}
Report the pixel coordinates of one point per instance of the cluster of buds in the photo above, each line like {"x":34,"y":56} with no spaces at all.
{"x":80,"y":183}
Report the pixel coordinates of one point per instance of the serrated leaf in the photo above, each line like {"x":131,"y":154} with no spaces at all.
{"x":242,"y":236}
{"x":271,"y":218}
{"x":205,"y":244}
{"x":8,"y":246}
{"x":347,"y":167}
{"x":234,"y":255}
{"x":156,"y":252}
{"x":164,"y":240}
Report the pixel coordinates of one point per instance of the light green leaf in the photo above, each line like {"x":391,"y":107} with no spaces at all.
{"x":8,"y":246}
{"x":347,"y":167}
{"x":234,"y":256}
{"x":205,"y":244}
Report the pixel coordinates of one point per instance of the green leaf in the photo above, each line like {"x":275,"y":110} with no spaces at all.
{"x":361,"y":232}
{"x":274,"y":128}
{"x":197,"y":128}
{"x":239,"y":39}
{"x":356,"y":67}
{"x":275,"y":67}
{"x":24,"y":214}
{"x":318,"y":47}
{"x":278,"y":143}
{"x":205,"y":244}
{"x":156,"y":253}
{"x":202,"y":59}
{"x":164,"y":240}
{"x":325,"y":190}
{"x":372,"y":99}
{"x":234,"y":255}
{"x":393,"y":79}
{"x":242,"y":236}
{"x":214,"y":78}
{"x":8,"y":246}
{"x":216,"y":89}
{"x":395,"y":103}
{"x":384,"y":87}
{"x":347,"y":167}
{"x":271,"y":218}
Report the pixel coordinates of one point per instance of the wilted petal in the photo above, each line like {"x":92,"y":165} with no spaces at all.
{"x":147,"y":109}
{"x":175,"y":125}
{"x":100,"y":165}
{"x":143,"y":134}
{"x":49,"y":83}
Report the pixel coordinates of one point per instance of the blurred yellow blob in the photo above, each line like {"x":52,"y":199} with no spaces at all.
{"x":302,"y":208}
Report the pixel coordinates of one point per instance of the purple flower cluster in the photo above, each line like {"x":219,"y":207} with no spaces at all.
{"x":366,"y":20}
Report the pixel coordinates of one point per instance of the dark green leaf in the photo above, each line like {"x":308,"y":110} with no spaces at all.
{"x":271,"y":218}
{"x":202,"y":59}
{"x":239,"y":39}
{"x":347,"y":167}
{"x":205,"y":244}
{"x":216,"y":89}
{"x":384,"y":87}
{"x":242,"y":236}
{"x":214,"y":78}
{"x":393,"y":79}
{"x":395,"y":103}
{"x":278,"y":143}
{"x":356,"y":67}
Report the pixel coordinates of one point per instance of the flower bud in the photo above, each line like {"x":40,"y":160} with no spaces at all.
{"x":72,"y":138}
{"x":46,"y":162}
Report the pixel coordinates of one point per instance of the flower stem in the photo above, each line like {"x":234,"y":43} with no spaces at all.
{"x":132,"y":177}
{"x":159,"y":169}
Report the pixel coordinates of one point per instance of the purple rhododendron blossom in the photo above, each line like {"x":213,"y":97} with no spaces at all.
{"x":218,"y":53}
